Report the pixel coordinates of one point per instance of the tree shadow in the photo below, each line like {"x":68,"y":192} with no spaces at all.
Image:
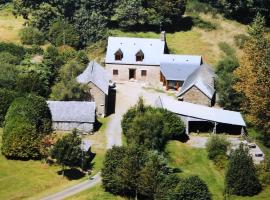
{"x":97,"y":125}
{"x":181,"y":137}
{"x":72,"y":173}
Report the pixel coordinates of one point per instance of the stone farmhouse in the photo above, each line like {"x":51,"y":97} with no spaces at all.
{"x":99,"y":82}
{"x":68,"y":115}
{"x":146,"y":60}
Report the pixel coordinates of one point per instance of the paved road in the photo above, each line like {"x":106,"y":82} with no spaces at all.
{"x":75,"y":189}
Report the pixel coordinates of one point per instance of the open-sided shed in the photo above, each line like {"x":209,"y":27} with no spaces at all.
{"x":203,"y":118}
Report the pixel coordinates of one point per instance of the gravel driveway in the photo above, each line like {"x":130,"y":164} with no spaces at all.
{"x":127,"y":95}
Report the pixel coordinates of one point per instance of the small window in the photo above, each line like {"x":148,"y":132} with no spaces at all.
{"x":118,"y":55}
{"x":143,"y":73}
{"x":115,"y":72}
{"x":139,"y":56}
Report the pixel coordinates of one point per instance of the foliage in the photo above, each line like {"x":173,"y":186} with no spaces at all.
{"x":6,"y":98}
{"x":240,"y":40}
{"x":27,"y":121}
{"x":13,"y":49}
{"x":62,"y":33}
{"x":67,"y":151}
{"x":206,"y":25}
{"x":263,"y":171}
{"x":8,"y":74}
{"x":252,"y":77}
{"x":228,"y":97}
{"x":30,"y":36}
{"x":6,"y":57}
{"x":241,"y":178}
{"x":227,"y":49}
{"x":192,"y":188}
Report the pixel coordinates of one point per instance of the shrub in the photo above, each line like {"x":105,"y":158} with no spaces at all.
{"x":35,"y":49}
{"x":227,"y":49}
{"x":191,"y":188}
{"x":217,"y":145}
{"x":263,"y":170}
{"x":240,"y":40}
{"x":30,"y":36}
{"x":206,"y":25}
{"x":6,"y":57}
{"x":241,"y":178}
{"x":6,"y":98}
{"x":27,"y":121}
{"x":13,"y":49}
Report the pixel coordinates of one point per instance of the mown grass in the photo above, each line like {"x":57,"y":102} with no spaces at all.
{"x":95,"y":193}
{"x":9,"y":25}
{"x":194,"y":161}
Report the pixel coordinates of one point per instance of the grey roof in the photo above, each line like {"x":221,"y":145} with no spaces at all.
{"x":96,"y":74}
{"x":201,"y":112}
{"x":176,"y":71}
{"x":152,"y":49}
{"x":194,"y":60}
{"x":203,"y":79}
{"x":72,"y":111}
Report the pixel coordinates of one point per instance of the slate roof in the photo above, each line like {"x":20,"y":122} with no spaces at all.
{"x":203,"y":79}
{"x":201,"y":112}
{"x":152,"y":49}
{"x":96,"y":74}
{"x":72,"y":111}
{"x":194,"y":60}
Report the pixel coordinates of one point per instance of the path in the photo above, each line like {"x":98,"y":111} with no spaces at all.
{"x":75,"y":189}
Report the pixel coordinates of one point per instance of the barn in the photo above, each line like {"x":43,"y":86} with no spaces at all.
{"x":68,"y":115}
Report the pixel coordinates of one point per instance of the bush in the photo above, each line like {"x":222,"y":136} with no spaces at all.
{"x":206,"y":25}
{"x":62,"y":33}
{"x":15,"y":50}
{"x":240,"y":40}
{"x":30,"y":36}
{"x":6,"y":57}
{"x":227,"y":49}
{"x":263,"y":170}
{"x":192,"y":188}
{"x":216,"y":146}
{"x":6,"y":98}
{"x":241,"y":178}
{"x":35,"y":50}
{"x":27,"y":121}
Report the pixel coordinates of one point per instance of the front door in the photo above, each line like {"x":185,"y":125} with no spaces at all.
{"x":132,"y":74}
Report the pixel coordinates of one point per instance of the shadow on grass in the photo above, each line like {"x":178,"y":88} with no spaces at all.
{"x":97,"y":125}
{"x":71,"y":174}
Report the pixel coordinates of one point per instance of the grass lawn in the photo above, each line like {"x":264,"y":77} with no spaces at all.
{"x":95,"y":193}
{"x":194,"y":161}
{"x":9,"y":25}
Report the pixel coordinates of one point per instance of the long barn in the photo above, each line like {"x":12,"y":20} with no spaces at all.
{"x":198,"y":118}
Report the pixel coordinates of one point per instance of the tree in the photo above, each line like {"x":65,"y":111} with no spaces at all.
{"x":30,"y":36}
{"x":27,"y":121}
{"x":63,"y":33}
{"x":68,"y":152}
{"x":241,"y":178}
{"x":252,"y":77}
{"x":192,"y":188}
{"x":228,"y":97}
{"x":217,"y":145}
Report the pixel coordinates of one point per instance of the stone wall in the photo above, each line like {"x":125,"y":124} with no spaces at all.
{"x":194,"y":95}
{"x":69,"y":126}
{"x":152,"y":77}
{"x":100,"y":98}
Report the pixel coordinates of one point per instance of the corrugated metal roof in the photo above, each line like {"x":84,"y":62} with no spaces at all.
{"x":72,"y":111}
{"x":201,"y":112}
{"x":203,"y":79}
{"x":152,"y":49}
{"x":96,"y":74}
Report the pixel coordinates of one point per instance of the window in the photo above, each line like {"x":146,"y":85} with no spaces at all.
{"x":139,"y":55}
{"x":118,"y":55}
{"x":115,"y":72}
{"x":143,"y":73}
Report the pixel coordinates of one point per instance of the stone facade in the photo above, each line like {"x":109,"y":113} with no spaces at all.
{"x":148,"y":74}
{"x":68,"y":126}
{"x":100,"y":98}
{"x":194,"y":95}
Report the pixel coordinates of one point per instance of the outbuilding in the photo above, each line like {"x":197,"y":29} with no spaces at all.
{"x":68,"y":115}
{"x":199,"y":118}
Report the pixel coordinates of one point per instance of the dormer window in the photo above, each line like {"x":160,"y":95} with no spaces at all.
{"x":139,"y":55}
{"x":118,"y":55}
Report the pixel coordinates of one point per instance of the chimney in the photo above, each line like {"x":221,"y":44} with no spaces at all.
{"x":163,"y":36}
